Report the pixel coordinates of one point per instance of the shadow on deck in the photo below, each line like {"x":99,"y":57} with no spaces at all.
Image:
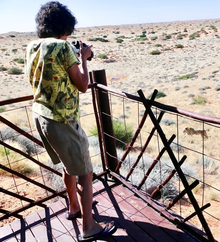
{"x":135,"y":219}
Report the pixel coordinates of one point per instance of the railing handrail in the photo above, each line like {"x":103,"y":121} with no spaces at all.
{"x":177,"y":110}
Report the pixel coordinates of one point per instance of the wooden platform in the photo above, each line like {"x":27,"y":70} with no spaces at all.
{"x":135,"y":220}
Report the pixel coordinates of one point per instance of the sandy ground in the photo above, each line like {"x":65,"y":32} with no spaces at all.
{"x":130,"y":66}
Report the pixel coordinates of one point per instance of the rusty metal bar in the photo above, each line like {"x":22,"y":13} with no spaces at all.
{"x":105,"y":114}
{"x":132,"y":141}
{"x":27,"y":179}
{"x":16,"y":195}
{"x":177,"y":110}
{"x":168,"y":178}
{"x":16,"y":100}
{"x":97,"y":123}
{"x":8,"y":212}
{"x":144,"y":147}
{"x":181,"y":194}
{"x":178,"y":169}
{"x":36,"y":203}
{"x":30,"y":158}
{"x":136,"y":134}
{"x":21,"y":131}
{"x":155,"y":162}
{"x":194,"y":214}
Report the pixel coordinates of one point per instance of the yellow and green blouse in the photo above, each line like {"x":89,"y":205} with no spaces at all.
{"x":47,"y":63}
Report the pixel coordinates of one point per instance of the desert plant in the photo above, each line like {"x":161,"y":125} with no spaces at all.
{"x":123,"y":133}
{"x":158,"y":45}
{"x":214,"y":28}
{"x":153,"y":38}
{"x":159,"y":95}
{"x":143,"y":35}
{"x":194,"y":35}
{"x":155,"y":52}
{"x":2,"y":68}
{"x":102,"y":56}
{"x":98,"y":39}
{"x":186,"y":76}
{"x":2,"y":109}
{"x":19,"y":60}
{"x":199,"y":100}
{"x":14,"y":50}
{"x":141,"y":39}
{"x":119,"y":40}
{"x":168,"y":122}
{"x":167,"y":36}
{"x":179,"y":46}
{"x":14,"y":70}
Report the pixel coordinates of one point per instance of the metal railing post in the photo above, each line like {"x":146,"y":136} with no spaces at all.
{"x":106,"y":121}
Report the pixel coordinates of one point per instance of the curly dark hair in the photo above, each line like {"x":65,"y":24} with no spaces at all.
{"x":54,"y":20}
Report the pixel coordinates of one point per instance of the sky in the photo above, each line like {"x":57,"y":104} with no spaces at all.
{"x":19,"y":15}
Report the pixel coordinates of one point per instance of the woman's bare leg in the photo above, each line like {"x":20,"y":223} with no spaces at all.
{"x":85,"y":194}
{"x":71,"y":188}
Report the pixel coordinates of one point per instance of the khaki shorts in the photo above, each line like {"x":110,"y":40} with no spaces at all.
{"x":66,"y":143}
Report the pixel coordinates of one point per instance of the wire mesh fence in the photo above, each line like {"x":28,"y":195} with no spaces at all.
{"x":190,"y":136}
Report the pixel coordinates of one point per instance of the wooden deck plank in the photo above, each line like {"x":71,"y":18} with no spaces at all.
{"x":6,"y":234}
{"x":122,"y":220}
{"x":22,"y":231}
{"x":120,"y":235}
{"x":134,"y":218}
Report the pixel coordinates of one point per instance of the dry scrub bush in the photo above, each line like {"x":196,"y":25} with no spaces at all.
{"x":14,"y":160}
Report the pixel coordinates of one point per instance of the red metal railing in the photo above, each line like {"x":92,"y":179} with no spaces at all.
{"x":149,"y":142}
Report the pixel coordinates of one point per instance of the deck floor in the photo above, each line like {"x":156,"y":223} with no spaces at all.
{"x":135,"y":220}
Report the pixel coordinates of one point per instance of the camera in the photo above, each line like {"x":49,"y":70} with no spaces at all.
{"x":76,"y":47}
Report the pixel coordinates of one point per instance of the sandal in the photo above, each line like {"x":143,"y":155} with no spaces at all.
{"x":108,"y":229}
{"x":78,"y":214}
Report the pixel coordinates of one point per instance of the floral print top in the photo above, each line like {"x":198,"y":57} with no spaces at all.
{"x":47,"y":63}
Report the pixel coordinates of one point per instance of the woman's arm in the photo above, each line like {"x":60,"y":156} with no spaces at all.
{"x":81,"y":79}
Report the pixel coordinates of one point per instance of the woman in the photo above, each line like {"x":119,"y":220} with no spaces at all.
{"x":53,"y":71}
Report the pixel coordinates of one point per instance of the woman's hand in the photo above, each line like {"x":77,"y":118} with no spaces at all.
{"x":85,"y":51}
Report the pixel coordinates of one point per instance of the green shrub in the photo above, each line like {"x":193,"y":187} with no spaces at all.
{"x":187,"y":76}
{"x":153,"y":38}
{"x":19,"y":60}
{"x":158,"y":45}
{"x":168,"y":36}
{"x":155,"y":52}
{"x":2,"y":109}
{"x":214,"y":28}
{"x":4,"y":151}
{"x":123,"y":134}
{"x":181,"y":36}
{"x":194,"y":35}
{"x":98,"y":39}
{"x":14,"y":70}
{"x":102,"y":56}
{"x":199,"y":100}
{"x":159,"y":95}
{"x":2,"y":68}
{"x":179,"y":46}
{"x":14,"y":50}
{"x":143,"y":35}
{"x":140,"y":39}
{"x":119,"y":40}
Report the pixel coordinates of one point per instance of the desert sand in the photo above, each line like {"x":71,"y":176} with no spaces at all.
{"x":130,"y":66}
